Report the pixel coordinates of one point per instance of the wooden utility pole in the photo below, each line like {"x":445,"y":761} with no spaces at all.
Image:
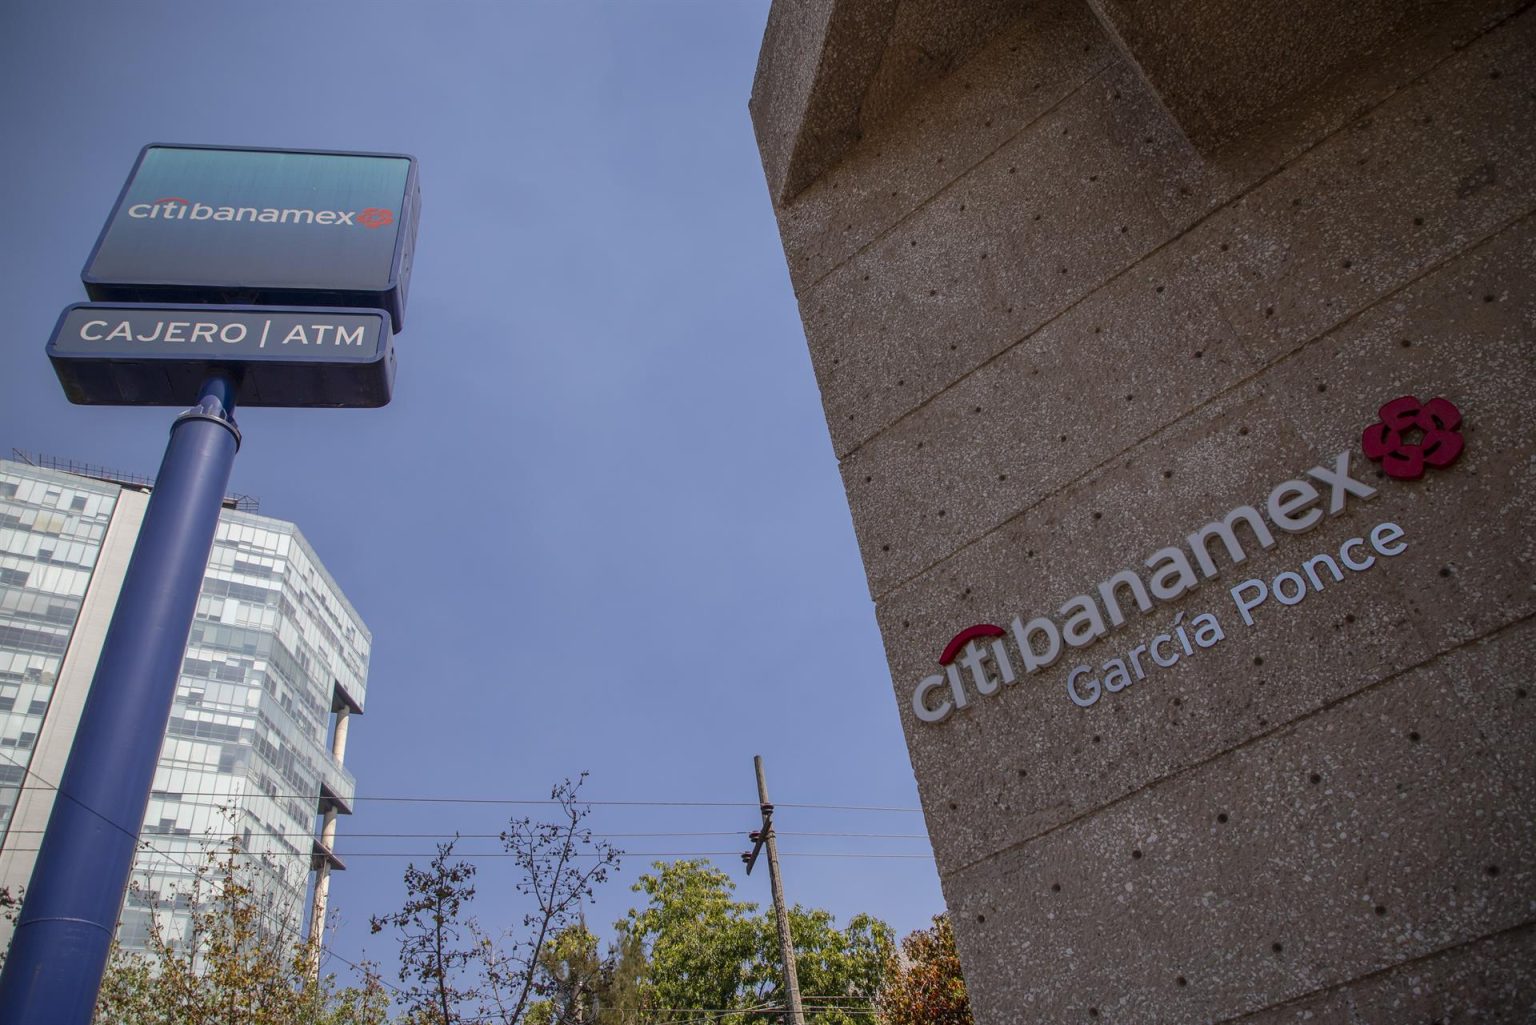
{"x":760,"y":839}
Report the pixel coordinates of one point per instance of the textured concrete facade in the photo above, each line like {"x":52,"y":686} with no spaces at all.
{"x":1082,"y":277}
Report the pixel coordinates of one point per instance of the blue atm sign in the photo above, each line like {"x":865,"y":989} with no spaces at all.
{"x":199,"y":224}
{"x":147,"y":355}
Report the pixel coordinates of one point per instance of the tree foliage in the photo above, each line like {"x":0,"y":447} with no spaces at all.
{"x":709,"y":953}
{"x":924,"y":986}
{"x":237,"y":965}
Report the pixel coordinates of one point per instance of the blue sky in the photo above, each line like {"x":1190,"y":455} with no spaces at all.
{"x":601,"y":527}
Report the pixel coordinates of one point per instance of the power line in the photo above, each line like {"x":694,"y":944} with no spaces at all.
{"x":603,"y":836}
{"x":410,"y":799}
{"x":344,"y":855}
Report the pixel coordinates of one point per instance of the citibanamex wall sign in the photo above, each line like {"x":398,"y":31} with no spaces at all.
{"x":1408,"y":437}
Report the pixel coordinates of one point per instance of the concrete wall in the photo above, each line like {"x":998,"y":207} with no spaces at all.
{"x":1090,"y":290}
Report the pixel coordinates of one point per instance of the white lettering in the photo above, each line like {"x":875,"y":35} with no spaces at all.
{"x":1226,"y":530}
{"x":1022,"y":636}
{"x":1382,"y":536}
{"x":1291,"y":498}
{"x":1078,"y":699}
{"x":920,"y":707}
{"x":1341,"y":482}
{"x":1245,"y":606}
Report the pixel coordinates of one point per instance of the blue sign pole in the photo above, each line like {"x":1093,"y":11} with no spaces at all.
{"x":69,"y":915}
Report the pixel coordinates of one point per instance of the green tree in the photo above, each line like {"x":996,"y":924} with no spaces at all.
{"x":924,"y":986}
{"x":707,"y":952}
{"x":580,"y":988}
{"x":239,"y":965}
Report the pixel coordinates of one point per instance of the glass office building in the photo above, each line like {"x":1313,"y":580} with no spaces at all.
{"x":275,"y":666}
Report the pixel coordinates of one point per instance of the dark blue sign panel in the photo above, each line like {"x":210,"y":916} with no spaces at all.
{"x":200,"y":224}
{"x":130,"y":354}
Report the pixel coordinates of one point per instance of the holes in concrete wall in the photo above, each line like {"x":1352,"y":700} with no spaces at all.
{"x":1381,"y":909}
{"x":1492,"y":870}
{"x":1405,"y":343}
{"x":1314,"y":779}
{"x":1221,"y":817}
{"x":1055,"y":887}
{"x":1418,"y":222}
{"x":1258,"y":660}
{"x":1167,"y":475}
{"x":1243,"y":431}
{"x":1269,"y":311}
{"x":1322,"y":388}
{"x":1136,"y":855}
{"x":1002,"y":476}
{"x":1181,"y":981}
{"x":1277,"y":947}
{"x":1413,"y":736}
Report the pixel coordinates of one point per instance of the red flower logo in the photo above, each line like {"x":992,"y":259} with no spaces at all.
{"x":1388,"y":441}
{"x":376,"y":217}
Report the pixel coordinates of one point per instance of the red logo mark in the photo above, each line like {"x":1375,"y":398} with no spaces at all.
{"x":965,"y":637}
{"x":170,"y":199}
{"x":1439,"y":443}
{"x":376,"y":217}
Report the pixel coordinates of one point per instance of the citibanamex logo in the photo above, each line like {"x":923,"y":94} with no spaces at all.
{"x":376,"y":217}
{"x":1412,"y":435}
